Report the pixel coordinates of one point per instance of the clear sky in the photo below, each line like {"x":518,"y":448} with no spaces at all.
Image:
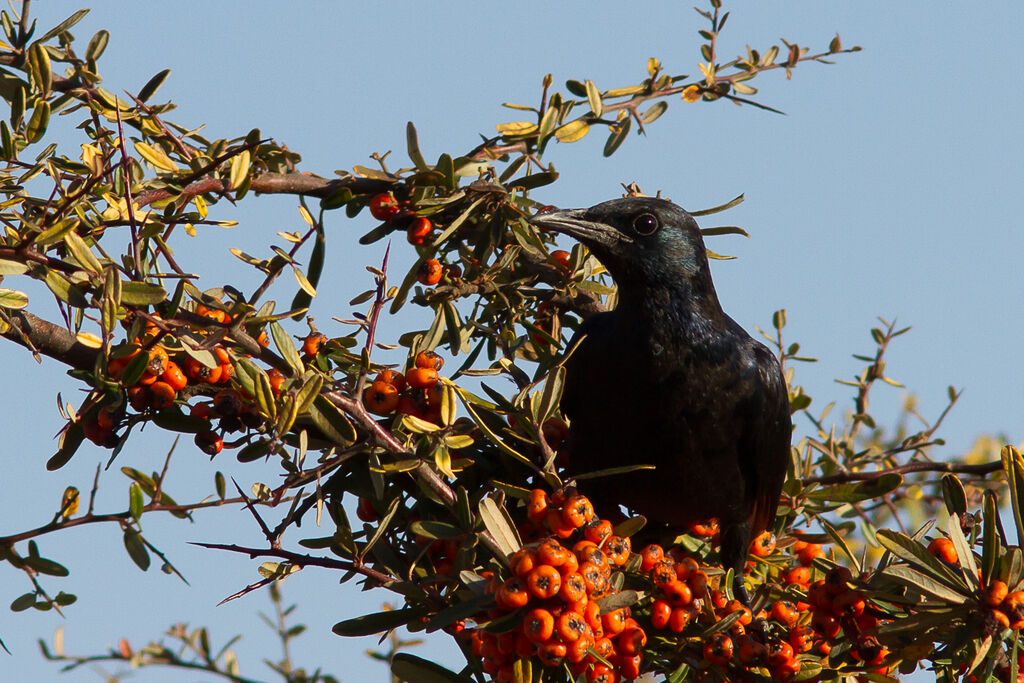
{"x":891,"y":188}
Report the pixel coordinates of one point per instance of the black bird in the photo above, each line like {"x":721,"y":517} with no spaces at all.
{"x":668,"y":379}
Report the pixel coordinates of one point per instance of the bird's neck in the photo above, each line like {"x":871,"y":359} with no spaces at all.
{"x":671,"y":315}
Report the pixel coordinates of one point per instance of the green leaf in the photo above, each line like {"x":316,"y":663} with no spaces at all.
{"x":136,"y":548}
{"x":239,"y":169}
{"x":407,"y":667}
{"x":413,"y":147}
{"x":156,"y":156}
{"x":45,"y":566}
{"x":12,"y":299}
{"x":70,"y":440}
{"x":286,"y":347}
{"x":718,"y":209}
{"x":332,"y":422}
{"x":376,"y":622}
{"x":915,"y":554}
{"x":572,"y":131}
{"x":964,"y":552}
{"x":435,"y":530}
{"x":856,"y":492}
{"x":617,"y":136}
{"x":915,"y":579}
{"x":135,"y":501}
{"x":655,"y":112}
{"x":39,"y":121}
{"x":991,"y":538}
{"x":97,"y":45}
{"x":153,"y":84}
{"x":64,"y":25}
{"x":82,"y":253}
{"x":594,"y":98}
{"x":23,"y":602}
{"x":954,"y":494}
{"x":496,"y":521}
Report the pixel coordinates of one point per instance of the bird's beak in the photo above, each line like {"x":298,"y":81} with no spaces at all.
{"x":573,"y":222}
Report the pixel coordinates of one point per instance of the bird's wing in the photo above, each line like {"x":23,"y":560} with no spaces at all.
{"x":580,"y":356}
{"x":766,"y":439}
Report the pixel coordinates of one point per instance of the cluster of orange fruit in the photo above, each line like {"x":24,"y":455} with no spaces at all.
{"x":417,"y":392}
{"x":153,"y":377}
{"x":557,"y":605}
{"x":385,"y":207}
{"x":556,"y":588}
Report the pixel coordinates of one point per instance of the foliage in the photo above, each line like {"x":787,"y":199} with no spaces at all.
{"x":451,"y":507}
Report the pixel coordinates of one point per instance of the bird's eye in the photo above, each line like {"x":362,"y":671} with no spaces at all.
{"x":645,"y":224}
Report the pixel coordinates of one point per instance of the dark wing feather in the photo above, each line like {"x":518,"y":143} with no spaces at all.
{"x":764,"y":445}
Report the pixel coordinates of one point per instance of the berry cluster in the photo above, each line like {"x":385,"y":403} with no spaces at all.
{"x":153,"y":372}
{"x":555,"y":589}
{"x":385,"y":207}
{"x":417,"y":392}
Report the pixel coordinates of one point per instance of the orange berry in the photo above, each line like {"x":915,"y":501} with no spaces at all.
{"x":552,"y":652}
{"x":366,"y":511}
{"x":312,"y":343}
{"x":157,"y":361}
{"x":199,"y":372}
{"x":209,"y":442}
{"x":392,"y":377}
{"x":808,"y":553}
{"x":785,"y":613}
{"x":677,"y":593}
{"x":539,"y":625}
{"x":523,"y":561}
{"x":418,"y":229}
{"x":1013,"y":606}
{"x":650,"y":556}
{"x":631,"y":641}
{"x":801,"y":638}
{"x":429,"y":272}
{"x":570,"y":626}
{"x":162,"y":395}
{"x":660,"y":613}
{"x":381,"y":398}
{"x":763,"y":545}
{"x":850,"y":604}
{"x":421,"y":378}
{"x":994,"y":593}
{"x":681,"y":618}
{"x":276,"y":378}
{"x":562,"y":258}
{"x":597,"y":530}
{"x":799,"y":576}
{"x":537,"y":506}
{"x":618,"y":549}
{"x":578,"y":511}
{"x":750,"y":652}
{"x":174,"y":376}
{"x":227,"y":402}
{"x":512,"y":594}
{"x":629,"y":667}
{"x":705,"y":528}
{"x":544,"y":582}
{"x":428,"y":359}
{"x":614,"y":622}
{"x":550,"y":551}
{"x":574,"y":588}
{"x":943,"y":549}
{"x":718,"y":649}
{"x":383,"y":206}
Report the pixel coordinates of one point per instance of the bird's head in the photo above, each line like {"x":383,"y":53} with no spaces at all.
{"x":640,"y":240}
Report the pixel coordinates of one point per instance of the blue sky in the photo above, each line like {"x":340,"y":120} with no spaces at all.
{"x":890,"y":188}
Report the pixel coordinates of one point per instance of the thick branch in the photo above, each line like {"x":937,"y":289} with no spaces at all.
{"x":275,"y":183}
{"x":51,"y":340}
{"x":955,"y":468}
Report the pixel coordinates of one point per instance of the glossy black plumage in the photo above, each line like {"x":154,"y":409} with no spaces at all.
{"x":668,"y":379}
